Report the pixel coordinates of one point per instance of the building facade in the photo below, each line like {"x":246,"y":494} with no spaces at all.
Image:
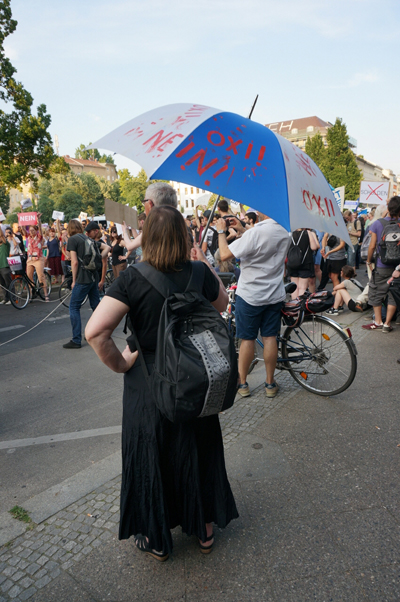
{"x":103,"y":170}
{"x":189,"y":197}
{"x":298,"y":130}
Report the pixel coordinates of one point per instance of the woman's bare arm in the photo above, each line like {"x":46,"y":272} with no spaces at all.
{"x":105,"y":319}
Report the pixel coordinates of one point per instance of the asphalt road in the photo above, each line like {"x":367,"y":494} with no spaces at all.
{"x":45,"y":391}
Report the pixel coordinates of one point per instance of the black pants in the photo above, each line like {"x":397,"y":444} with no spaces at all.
{"x":5,"y":280}
{"x":325,"y":275}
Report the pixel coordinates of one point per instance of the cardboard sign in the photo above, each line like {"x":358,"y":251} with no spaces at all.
{"x":58,"y":215}
{"x":25,"y":203}
{"x":2,"y":216}
{"x":117,"y":213}
{"x":374,"y":193}
{"x":82,"y":215}
{"x":27,"y":219}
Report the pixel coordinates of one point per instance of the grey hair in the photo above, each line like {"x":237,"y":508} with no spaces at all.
{"x":162,"y":193}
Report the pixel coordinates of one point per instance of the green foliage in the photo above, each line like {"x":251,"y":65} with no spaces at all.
{"x":315,"y":149}
{"x":4,"y":199}
{"x":93,"y":154}
{"x":133,"y":188}
{"x":25,"y":140}
{"x":59,"y":166}
{"x":11,"y":218}
{"x":20,"y":514}
{"x":337,"y":161}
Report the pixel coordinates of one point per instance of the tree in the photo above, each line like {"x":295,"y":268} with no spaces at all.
{"x":133,"y":188}
{"x":4,"y":200}
{"x":93,"y":154}
{"x":337,"y":161}
{"x":315,"y":149}
{"x":25,"y":141}
{"x":59,"y":166}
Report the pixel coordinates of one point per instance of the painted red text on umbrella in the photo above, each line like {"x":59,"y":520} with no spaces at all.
{"x":194,"y":111}
{"x":312,"y":202}
{"x":303,"y":161}
{"x":159,"y":141}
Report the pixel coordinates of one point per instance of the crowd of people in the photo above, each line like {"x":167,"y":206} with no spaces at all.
{"x":174,"y":473}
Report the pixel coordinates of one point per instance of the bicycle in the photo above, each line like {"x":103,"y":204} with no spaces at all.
{"x":65,"y":290}
{"x":22,"y":289}
{"x":319,"y":354}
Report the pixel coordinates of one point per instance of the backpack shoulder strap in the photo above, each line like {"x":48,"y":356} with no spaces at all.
{"x":157,"y":279}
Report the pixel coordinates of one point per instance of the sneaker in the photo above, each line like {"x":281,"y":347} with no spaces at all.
{"x":372,"y":326}
{"x":72,"y":345}
{"x":7,"y":303}
{"x":358,"y":307}
{"x":244,"y":390}
{"x":2,"y":302}
{"x":332,"y":311}
{"x":386,"y":328}
{"x":340,"y":308}
{"x":271,"y":390}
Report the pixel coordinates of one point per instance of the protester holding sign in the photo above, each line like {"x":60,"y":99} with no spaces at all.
{"x":35,"y":254}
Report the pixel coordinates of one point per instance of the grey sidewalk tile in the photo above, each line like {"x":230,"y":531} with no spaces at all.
{"x":380,"y":583}
{"x":333,"y":587}
{"x":339,"y":491}
{"x":299,"y":548}
{"x":254,"y":458}
{"x":63,"y":589}
{"x":367,"y":538}
{"x":277,"y":499}
{"x":318,"y":457}
{"x":227,"y":595}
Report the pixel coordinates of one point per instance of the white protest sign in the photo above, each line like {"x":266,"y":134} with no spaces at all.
{"x":58,"y":215}
{"x":82,"y":215}
{"x":339,"y":196}
{"x":25,"y":203}
{"x":351,"y":205}
{"x":374,"y":192}
{"x":2,"y":216}
{"x":119,"y":229}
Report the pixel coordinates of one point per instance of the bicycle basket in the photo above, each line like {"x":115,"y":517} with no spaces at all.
{"x":319,"y":302}
{"x":15,"y":264}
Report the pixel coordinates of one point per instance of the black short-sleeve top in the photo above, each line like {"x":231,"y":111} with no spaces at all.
{"x":146,"y":303}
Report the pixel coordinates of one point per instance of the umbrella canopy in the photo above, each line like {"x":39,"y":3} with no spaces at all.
{"x":232,"y":156}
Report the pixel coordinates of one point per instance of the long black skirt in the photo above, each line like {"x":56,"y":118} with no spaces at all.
{"x":172,"y":474}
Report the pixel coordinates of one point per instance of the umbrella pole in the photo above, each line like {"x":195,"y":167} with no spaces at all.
{"x":210,"y":219}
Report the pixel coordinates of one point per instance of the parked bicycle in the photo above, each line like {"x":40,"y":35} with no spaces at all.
{"x":22,"y":288}
{"x":66,"y":290}
{"x":319,"y":354}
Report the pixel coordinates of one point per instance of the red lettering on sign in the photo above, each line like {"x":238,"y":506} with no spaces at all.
{"x":261,"y":153}
{"x":332,"y":207}
{"x":303,"y":161}
{"x":307,"y":200}
{"x":157,"y":139}
{"x":207,"y":182}
{"x":231,"y":174}
{"x":137,"y":130}
{"x":185,"y":150}
{"x":327,"y":206}
{"x":221,"y":138}
{"x":318,"y":203}
{"x":219,"y":172}
{"x":239,"y":130}
{"x":233,"y":145}
{"x":200,"y":157}
{"x":169,"y":141}
{"x":248,"y":151}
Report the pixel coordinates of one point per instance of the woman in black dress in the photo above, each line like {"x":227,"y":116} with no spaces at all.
{"x":173,"y":474}
{"x":307,"y":241}
{"x":117,"y":252}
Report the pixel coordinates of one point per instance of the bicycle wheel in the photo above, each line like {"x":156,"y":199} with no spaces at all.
{"x":108,"y":280}
{"x":41,"y":288}
{"x":20,"y":293}
{"x":320,"y":355}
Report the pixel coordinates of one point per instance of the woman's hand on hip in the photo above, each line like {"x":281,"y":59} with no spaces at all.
{"x":129,"y":357}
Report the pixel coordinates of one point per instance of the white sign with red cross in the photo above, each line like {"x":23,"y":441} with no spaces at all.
{"x":373,"y":193}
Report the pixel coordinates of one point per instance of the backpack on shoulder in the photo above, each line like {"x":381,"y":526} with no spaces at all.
{"x":214,"y":242}
{"x":365,"y":246}
{"x":195,"y":371}
{"x":91,"y":260}
{"x":295,"y":256}
{"x":389,"y":245}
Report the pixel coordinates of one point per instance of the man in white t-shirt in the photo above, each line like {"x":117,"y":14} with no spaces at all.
{"x":262,"y":251}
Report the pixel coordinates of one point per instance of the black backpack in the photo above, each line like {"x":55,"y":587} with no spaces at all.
{"x":213,"y":248}
{"x":295,"y":256}
{"x":91,"y":260}
{"x":389,"y":245}
{"x":195,"y":370}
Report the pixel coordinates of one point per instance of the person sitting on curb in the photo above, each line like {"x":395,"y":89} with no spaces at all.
{"x":346,"y":293}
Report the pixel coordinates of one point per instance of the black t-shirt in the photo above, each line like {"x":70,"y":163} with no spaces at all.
{"x":146,"y":303}
{"x":302,"y":239}
{"x":77,"y":243}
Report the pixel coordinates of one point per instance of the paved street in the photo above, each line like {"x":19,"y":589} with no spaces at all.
{"x":315,"y":479}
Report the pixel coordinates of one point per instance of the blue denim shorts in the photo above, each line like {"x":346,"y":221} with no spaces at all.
{"x":250,"y":319}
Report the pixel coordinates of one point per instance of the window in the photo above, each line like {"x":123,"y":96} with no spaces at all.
{"x":295,"y":131}
{"x":310,"y":128}
{"x":185,"y":190}
{"x":197,"y":190}
{"x":108,"y":177}
{"x":191,"y":190}
{"x":192,"y":203}
{"x":187,"y":203}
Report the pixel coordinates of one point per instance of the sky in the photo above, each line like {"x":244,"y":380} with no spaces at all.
{"x":98,"y":64}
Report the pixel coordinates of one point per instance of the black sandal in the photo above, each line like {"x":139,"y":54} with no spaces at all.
{"x":207,"y":549}
{"x":142,"y":545}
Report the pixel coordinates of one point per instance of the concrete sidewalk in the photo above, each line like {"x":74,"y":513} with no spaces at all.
{"x":317,"y":488}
